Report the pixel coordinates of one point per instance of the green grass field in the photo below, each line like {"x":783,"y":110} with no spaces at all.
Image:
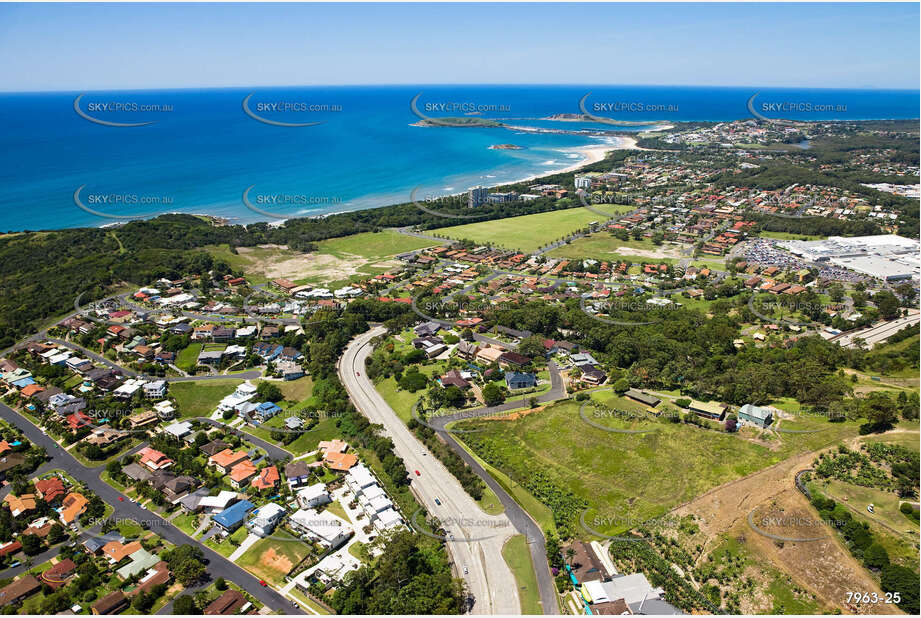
{"x":201,"y":398}
{"x":604,"y":246}
{"x":281,"y":543}
{"x":373,"y":245}
{"x":899,"y":535}
{"x":401,"y":401}
{"x":789,"y":236}
{"x":628,"y":477}
{"x":529,"y":232}
{"x":518,"y":558}
{"x":187,"y":358}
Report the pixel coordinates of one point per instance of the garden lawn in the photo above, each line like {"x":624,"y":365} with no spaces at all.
{"x":187,"y":522}
{"x":225,"y":547}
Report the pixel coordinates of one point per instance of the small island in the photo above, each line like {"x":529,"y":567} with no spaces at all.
{"x":566,"y":117}
{"x":448,"y":121}
{"x":506,"y":147}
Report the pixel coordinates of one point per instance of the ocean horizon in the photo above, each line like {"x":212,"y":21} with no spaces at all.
{"x":354,"y":147}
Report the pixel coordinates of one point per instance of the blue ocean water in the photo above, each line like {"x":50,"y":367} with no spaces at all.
{"x":202,"y":151}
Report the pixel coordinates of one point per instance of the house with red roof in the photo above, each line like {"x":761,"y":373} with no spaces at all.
{"x":50,"y":489}
{"x":30,"y":390}
{"x":267,"y":478}
{"x":77,"y":420}
{"x":154,"y":459}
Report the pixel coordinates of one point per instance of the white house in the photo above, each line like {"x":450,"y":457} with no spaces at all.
{"x":155,"y":389}
{"x":386,"y":520}
{"x":313,"y":495}
{"x":359,"y":477}
{"x":323,"y":528}
{"x":265,"y":519}
{"x":215,"y":504}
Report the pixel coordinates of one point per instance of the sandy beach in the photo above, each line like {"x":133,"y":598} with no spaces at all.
{"x":591,"y":154}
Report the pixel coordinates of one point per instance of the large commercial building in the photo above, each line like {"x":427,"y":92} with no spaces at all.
{"x":887,"y":257}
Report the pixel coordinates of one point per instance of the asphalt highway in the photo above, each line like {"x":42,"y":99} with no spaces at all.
{"x":476,"y":548}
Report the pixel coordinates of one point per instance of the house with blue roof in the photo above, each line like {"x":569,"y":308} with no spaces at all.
{"x":515,"y":380}
{"x":268,"y":351}
{"x":232,"y":517}
{"x":265,"y":410}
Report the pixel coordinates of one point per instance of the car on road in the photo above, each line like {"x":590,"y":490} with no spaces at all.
{"x":418,"y":473}
{"x":120,"y":499}
{"x":437,"y":501}
{"x":262,"y":583}
{"x":358,"y":374}
{"x":466,"y":571}
{"x":870,"y":508}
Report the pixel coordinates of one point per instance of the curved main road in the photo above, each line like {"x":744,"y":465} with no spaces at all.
{"x":478,"y":537}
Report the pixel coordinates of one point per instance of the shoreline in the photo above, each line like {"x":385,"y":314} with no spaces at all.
{"x":590,"y":154}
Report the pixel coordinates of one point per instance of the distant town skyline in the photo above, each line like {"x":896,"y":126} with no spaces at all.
{"x":53,"y":47}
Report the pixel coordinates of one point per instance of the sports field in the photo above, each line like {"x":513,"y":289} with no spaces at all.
{"x":529,"y":232}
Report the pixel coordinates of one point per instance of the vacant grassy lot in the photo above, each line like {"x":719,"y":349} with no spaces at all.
{"x":518,"y":558}
{"x":402,"y":401}
{"x":201,"y":398}
{"x":624,"y":478}
{"x":187,"y":359}
{"x":604,"y":246}
{"x":529,"y":232}
{"x":789,"y":236}
{"x":335,"y":262}
{"x":271,"y":558}
{"x":305,"y":442}
{"x":373,"y":245}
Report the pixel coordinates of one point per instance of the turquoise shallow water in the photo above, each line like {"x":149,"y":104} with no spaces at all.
{"x":201,"y":151}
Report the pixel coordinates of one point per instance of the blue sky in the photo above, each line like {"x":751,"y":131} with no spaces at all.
{"x":94,"y":46}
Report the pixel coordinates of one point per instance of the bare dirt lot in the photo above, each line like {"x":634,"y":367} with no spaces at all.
{"x":823,"y":567}
{"x":274,"y":560}
{"x":276,"y":261}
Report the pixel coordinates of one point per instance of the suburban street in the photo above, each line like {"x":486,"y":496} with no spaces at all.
{"x":489,"y":578}
{"x":218,"y":566}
